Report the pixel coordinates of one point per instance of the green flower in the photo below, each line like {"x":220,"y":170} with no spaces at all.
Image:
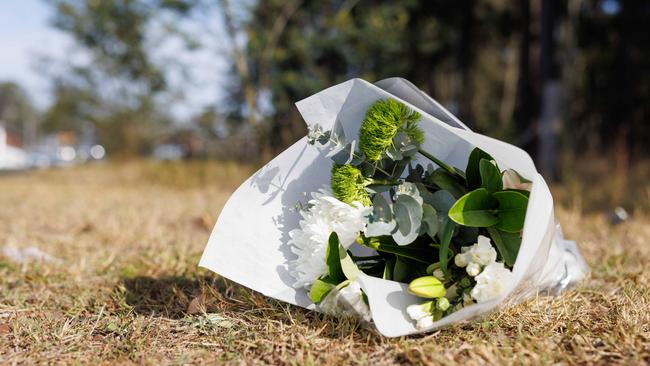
{"x":348,"y":184}
{"x":383,"y":120}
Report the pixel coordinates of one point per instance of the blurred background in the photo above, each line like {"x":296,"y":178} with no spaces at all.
{"x":179,"y":80}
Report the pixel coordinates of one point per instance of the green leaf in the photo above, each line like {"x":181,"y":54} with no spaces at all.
{"x":428,"y":287}
{"x":445,"y":239}
{"x":388,"y":269}
{"x":512,"y":210}
{"x":349,"y":268}
{"x":442,"y":201}
{"x":473,"y":172}
{"x":507,"y":244}
{"x":490,"y":176}
{"x":474,"y":209}
{"x":320,"y":289}
{"x":333,"y":260}
{"x":430,"y":220}
{"x":401,"y":270}
{"x":447,"y":182}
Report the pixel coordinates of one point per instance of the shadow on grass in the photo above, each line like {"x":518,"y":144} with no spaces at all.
{"x":170,"y":297}
{"x":164,"y":296}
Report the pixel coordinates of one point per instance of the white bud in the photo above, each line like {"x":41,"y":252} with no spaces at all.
{"x":439,"y":274}
{"x":461,"y":260}
{"x":443,"y":303}
{"x":473,"y":269}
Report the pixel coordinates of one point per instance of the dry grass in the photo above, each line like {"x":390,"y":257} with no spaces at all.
{"x":130,"y":237}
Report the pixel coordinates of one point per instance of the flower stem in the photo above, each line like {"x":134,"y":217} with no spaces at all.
{"x":439,"y":162}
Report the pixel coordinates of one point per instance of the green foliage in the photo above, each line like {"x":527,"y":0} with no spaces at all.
{"x":507,"y":244}
{"x":512,"y":210}
{"x":490,"y":176}
{"x":474,"y":209}
{"x":382,"y":122}
{"x":348,"y":184}
{"x":473,"y":172}
{"x":333,"y":260}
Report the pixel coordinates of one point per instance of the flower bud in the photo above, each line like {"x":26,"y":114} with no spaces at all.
{"x":428,"y":287}
{"x":439,"y":274}
{"x":473,"y":269}
{"x":443,"y":304}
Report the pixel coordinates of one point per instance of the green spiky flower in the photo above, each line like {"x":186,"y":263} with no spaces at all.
{"x":383,"y":120}
{"x":348,"y":184}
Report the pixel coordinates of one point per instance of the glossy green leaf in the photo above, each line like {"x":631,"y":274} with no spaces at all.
{"x":472,"y":172}
{"x":445,"y":240}
{"x":447,"y":182}
{"x":512,"y":210}
{"x":349,"y":268}
{"x":474,"y":209}
{"x":333,"y":260}
{"x":507,"y":244}
{"x":320,"y":289}
{"x":490,"y":176}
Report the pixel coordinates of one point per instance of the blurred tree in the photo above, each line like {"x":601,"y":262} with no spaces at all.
{"x":300,"y":47}
{"x":17,"y":111}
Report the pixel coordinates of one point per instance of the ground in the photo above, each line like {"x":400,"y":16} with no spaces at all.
{"x":125,"y":287}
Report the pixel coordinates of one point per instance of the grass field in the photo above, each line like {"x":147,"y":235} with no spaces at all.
{"x":126,"y":288}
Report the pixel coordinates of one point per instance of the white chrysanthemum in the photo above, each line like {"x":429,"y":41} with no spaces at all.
{"x":347,"y":301}
{"x":492,"y":282}
{"x":481,"y":253}
{"x":309,"y":242}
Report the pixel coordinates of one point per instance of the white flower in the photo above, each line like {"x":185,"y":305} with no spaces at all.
{"x":347,"y":301}
{"x":492,"y":282}
{"x":512,"y":180}
{"x":309,"y":242}
{"x":419,"y":311}
{"x":482,"y":253}
{"x":425,"y":323}
{"x":473,"y":269}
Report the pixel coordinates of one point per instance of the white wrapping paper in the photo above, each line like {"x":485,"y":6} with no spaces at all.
{"x":249,"y":242}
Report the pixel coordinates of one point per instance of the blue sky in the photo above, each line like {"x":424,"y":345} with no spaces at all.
{"x":26,"y":37}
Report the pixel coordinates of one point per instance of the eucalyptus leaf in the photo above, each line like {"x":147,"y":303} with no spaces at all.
{"x":507,"y":244}
{"x":429,"y":220}
{"x":447,"y":182}
{"x":380,"y":228}
{"x":472,"y":172}
{"x":408,"y":214}
{"x":378,"y":188}
{"x":512,"y":210}
{"x":474,"y":209}
{"x":442,"y":201}
{"x":490,"y":176}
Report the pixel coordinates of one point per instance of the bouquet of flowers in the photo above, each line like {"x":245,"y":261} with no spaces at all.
{"x":392,"y":211}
